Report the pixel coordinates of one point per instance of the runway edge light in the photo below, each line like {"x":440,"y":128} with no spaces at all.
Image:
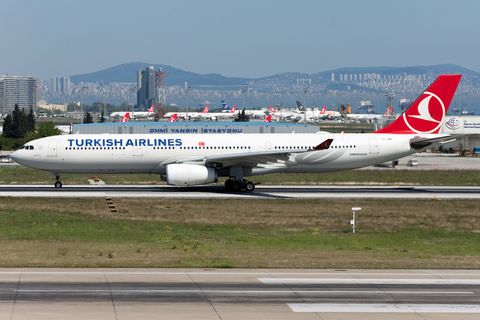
{"x":352,"y":222}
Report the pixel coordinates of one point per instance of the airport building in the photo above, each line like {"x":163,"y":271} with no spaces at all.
{"x":18,"y":90}
{"x":191,"y":128}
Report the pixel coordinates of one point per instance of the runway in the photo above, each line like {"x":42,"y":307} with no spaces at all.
{"x":238,"y":294}
{"x":260,"y":192}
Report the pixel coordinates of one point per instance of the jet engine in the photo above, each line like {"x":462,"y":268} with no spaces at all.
{"x":190,"y":175}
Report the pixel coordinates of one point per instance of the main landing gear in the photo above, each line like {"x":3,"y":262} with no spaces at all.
{"x":58,"y":183}
{"x":236,"y":185}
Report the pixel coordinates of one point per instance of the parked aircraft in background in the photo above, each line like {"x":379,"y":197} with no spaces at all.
{"x":213,"y":116}
{"x":268,"y":118}
{"x":139,"y":114}
{"x":365,"y":116}
{"x":183,"y":115}
{"x":196,"y":159}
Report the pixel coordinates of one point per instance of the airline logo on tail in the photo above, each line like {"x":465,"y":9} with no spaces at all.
{"x":173,"y":118}
{"x":389,"y":111}
{"x":206,"y":109}
{"x":425,"y":115}
{"x":268,"y":118}
{"x":233,"y":109}
{"x":323,"y":110}
{"x":224,"y":105}
{"x":272,"y":110}
{"x":300,"y":106}
{"x":151,"y":108}
{"x":125,"y":117}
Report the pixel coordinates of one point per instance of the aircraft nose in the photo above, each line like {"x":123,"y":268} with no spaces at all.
{"x":14,"y":156}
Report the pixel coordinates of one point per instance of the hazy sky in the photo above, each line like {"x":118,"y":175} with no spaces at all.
{"x":248,"y":38}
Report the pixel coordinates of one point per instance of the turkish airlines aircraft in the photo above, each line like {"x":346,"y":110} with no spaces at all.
{"x":196,"y":159}
{"x":218,"y":115}
{"x":268,"y":118}
{"x":183,"y":115}
{"x":365,"y":116}
{"x":173,"y":118}
{"x":139,"y":114}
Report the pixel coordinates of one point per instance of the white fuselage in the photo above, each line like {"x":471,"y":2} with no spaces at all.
{"x":150,"y":153}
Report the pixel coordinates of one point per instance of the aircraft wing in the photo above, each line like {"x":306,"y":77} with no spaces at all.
{"x":248,"y":159}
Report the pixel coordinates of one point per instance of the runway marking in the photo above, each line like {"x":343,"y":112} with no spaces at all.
{"x":367,"y":281}
{"x":384,"y":308}
{"x":239,"y":291}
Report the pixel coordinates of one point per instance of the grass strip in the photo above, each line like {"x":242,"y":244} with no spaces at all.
{"x":238,"y":234}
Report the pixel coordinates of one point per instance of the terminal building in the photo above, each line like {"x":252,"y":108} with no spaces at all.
{"x":150,"y":127}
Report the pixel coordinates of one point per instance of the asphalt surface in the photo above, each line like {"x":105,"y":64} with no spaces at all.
{"x":238,"y":294}
{"x":261,"y":192}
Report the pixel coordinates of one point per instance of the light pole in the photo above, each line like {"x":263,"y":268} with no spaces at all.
{"x":134,"y":88}
{"x":81,"y":104}
{"x":244,"y":92}
{"x":187,"y":89}
{"x":305,"y":90}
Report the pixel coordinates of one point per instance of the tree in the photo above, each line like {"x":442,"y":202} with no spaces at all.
{"x":47,"y":129}
{"x":242,"y":117}
{"x":18,"y":124}
{"x":31,"y":121}
{"x":102,"y":117}
{"x":88,"y":118}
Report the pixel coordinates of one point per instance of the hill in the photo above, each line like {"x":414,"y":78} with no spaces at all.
{"x":127,"y":72}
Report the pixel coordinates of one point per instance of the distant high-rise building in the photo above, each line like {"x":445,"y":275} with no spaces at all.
{"x":18,"y":90}
{"x":146,"y":88}
{"x":333,"y":77}
{"x":54,"y":85}
{"x":60,"y":85}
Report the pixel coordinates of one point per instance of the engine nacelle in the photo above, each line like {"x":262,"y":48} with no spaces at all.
{"x":190,"y":175}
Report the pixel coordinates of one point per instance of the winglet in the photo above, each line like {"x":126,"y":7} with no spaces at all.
{"x":324,"y":145}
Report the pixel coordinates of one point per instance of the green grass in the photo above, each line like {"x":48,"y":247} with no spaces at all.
{"x":47,"y":238}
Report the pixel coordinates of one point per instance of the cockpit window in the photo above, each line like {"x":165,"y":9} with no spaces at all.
{"x":23,"y":147}
{"x":30,"y":147}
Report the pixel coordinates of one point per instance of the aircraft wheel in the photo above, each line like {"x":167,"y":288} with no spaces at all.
{"x":58,"y":184}
{"x":249,"y":186}
{"x":236,"y":186}
{"x":229,"y":184}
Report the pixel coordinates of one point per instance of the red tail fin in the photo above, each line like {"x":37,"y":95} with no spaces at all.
{"x":389,"y":111}
{"x":125,"y":117}
{"x":323,"y":110}
{"x":151,"y":108}
{"x":425,"y":115}
{"x":206,"y":109}
{"x":173,"y":118}
{"x":268,"y":118}
{"x":233,"y":109}
{"x":272,"y":110}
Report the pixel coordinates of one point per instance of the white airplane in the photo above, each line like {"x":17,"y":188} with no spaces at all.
{"x":183,"y":115}
{"x":213,"y":116}
{"x":365,"y":116}
{"x":282,"y":114}
{"x":328,"y":114}
{"x":197,"y":159}
{"x":139,"y":114}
